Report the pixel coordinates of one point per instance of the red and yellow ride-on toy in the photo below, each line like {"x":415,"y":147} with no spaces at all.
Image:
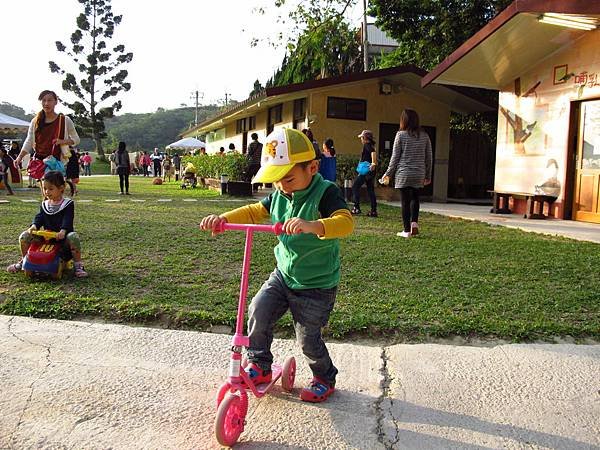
{"x":47,"y":256}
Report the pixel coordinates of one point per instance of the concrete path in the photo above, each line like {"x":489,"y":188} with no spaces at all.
{"x":581,"y":231}
{"x":79,"y":385}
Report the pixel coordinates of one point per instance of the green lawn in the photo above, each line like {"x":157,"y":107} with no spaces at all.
{"x":149,"y":263}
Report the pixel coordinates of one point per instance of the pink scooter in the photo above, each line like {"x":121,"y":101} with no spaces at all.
{"x":232,"y":398}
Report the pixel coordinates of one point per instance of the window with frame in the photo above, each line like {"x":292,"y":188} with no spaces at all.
{"x":240,"y":126}
{"x":346,"y":108}
{"x":299,"y":109}
{"x":275,"y":116}
{"x":252,"y":123}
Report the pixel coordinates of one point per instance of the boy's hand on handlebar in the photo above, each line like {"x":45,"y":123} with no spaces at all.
{"x":212,"y":223}
{"x":61,"y":235}
{"x":295,"y":225}
{"x":32,"y":228}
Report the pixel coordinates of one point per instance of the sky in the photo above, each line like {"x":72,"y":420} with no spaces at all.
{"x":179,"y":46}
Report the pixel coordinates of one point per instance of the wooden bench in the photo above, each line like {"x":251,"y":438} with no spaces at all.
{"x":535,"y":203}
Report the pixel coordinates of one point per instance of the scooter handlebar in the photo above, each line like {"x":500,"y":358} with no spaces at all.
{"x":276,"y":228}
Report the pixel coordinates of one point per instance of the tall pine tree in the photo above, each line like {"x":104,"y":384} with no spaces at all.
{"x":102,"y":76}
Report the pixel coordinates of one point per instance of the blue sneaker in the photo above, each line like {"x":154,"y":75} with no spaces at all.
{"x":317,"y":391}
{"x":258,"y":375}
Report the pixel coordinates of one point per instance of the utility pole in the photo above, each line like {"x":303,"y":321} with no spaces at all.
{"x":365,"y":38}
{"x":227,"y":95}
{"x":195,"y":94}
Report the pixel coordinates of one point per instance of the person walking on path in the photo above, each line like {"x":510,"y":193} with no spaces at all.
{"x":167,"y":167}
{"x":15,"y":171}
{"x":156,"y":163}
{"x":86,"y":159}
{"x":145,"y":160}
{"x":177,"y":165}
{"x":369,"y":154}
{"x":123,"y":168}
{"x":6,"y":162}
{"x":48,"y":133}
{"x":113,"y":163}
{"x":328,"y":166}
{"x":253,"y":157}
{"x":410,"y":165}
{"x":72,"y":170}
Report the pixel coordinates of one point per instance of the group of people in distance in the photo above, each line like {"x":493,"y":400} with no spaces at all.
{"x":314,"y":215}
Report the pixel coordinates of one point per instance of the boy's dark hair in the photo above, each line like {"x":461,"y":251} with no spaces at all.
{"x":232,"y":146}
{"x":254,"y":136}
{"x":55,"y":178}
{"x":122,"y":146}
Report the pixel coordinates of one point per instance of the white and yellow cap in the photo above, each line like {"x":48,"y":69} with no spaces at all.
{"x":282,"y":150}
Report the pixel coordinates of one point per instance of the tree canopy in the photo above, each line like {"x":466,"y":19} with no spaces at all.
{"x":430,"y":30}
{"x":321,"y":44}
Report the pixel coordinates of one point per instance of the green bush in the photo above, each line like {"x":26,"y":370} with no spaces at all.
{"x":213,"y":166}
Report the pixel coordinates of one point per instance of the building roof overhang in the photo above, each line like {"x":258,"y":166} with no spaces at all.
{"x":406,"y":78}
{"x":510,"y":43}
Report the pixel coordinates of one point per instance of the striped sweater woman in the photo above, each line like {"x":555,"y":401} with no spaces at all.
{"x":410,"y":165}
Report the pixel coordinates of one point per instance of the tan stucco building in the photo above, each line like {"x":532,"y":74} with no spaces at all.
{"x":341,"y":107}
{"x":544,"y":59}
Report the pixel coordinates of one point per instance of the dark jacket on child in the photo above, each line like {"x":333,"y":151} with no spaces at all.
{"x":56,"y":217}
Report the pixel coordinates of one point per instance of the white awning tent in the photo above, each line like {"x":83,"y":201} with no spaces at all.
{"x":188,"y":143}
{"x":10,"y":124}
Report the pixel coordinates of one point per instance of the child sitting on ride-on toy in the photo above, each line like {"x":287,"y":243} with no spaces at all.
{"x":56,"y":214}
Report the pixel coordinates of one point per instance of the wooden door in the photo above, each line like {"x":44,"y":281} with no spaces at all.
{"x":586,"y":199}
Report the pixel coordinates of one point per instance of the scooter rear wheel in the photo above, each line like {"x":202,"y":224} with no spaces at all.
{"x":288,"y":373}
{"x":229,"y":423}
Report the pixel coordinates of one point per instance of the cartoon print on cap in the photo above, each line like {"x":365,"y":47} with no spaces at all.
{"x":272,"y":148}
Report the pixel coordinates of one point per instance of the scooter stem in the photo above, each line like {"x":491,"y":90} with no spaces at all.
{"x":239,"y":339}
{"x":239,"y":327}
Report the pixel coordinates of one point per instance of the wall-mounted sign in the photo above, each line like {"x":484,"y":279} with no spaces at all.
{"x":560,"y":74}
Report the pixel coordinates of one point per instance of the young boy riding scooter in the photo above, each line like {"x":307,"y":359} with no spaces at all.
{"x":314,"y":216}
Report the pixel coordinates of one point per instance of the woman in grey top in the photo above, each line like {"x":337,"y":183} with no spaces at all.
{"x":410,"y":165}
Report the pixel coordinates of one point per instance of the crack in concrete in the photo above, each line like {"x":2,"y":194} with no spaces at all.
{"x":32,"y":389}
{"x":32,"y":385}
{"x":381,"y":409}
{"x":79,"y":422}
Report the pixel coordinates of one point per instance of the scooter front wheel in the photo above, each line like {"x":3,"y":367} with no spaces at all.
{"x":288,"y":373}
{"x":230,"y":420}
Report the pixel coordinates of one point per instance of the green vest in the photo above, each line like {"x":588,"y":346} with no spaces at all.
{"x":305,"y":261}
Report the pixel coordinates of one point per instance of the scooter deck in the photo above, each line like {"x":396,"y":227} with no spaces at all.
{"x":264,"y":387}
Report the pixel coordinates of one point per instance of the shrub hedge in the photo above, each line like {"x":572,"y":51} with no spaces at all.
{"x":234,"y":166}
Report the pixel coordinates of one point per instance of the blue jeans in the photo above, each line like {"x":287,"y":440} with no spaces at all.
{"x":310,"y":310}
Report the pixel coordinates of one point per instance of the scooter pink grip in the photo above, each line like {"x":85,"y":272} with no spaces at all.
{"x":276,"y":228}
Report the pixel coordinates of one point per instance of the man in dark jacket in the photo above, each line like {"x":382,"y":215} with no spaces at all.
{"x":254,"y":155}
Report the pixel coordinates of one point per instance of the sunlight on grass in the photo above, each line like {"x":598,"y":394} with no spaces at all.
{"x":149,"y":263}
